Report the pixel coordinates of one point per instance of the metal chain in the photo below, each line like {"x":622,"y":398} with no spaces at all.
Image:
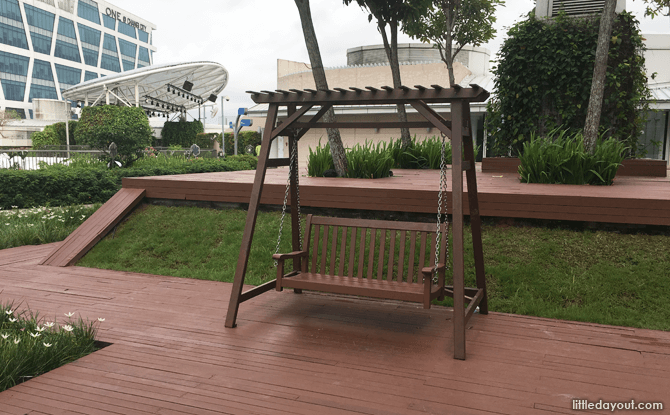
{"x":438,"y":232}
{"x":294,"y":151}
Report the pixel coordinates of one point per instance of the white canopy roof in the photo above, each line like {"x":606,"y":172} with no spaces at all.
{"x":159,"y":88}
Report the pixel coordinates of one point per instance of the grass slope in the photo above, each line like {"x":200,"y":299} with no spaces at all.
{"x":594,"y":276}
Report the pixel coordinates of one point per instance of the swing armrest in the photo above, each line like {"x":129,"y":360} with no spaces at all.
{"x":295,"y":254}
{"x":430,"y":270}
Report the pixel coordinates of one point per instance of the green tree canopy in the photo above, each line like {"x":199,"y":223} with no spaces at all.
{"x":452,"y":24}
{"x":128,"y":127}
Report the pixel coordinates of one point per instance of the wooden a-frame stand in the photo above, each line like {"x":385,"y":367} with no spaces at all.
{"x":299,"y":102}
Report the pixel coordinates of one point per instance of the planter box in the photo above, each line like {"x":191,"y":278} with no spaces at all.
{"x":643,"y":167}
{"x":629,"y":167}
{"x":501,"y":164}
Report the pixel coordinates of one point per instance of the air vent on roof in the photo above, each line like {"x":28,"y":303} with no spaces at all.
{"x":551,"y":8}
{"x":577,"y":7}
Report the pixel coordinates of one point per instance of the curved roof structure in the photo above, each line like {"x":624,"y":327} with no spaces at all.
{"x":167,"y":88}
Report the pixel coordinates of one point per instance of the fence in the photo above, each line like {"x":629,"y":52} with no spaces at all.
{"x":26,"y":159}
{"x":31,"y":159}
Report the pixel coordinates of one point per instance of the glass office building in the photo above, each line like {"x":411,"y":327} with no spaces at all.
{"x":47,"y":46}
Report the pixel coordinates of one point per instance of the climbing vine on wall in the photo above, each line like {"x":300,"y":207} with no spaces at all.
{"x":543,"y":81}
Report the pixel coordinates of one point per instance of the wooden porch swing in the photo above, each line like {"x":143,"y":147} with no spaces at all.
{"x":390,"y":281}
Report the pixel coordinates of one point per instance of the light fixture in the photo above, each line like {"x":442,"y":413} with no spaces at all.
{"x":212,"y":98}
{"x":188,"y":86}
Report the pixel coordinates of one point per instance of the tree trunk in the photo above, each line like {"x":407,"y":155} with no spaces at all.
{"x":392,"y":54}
{"x":447,"y":50}
{"x":598,"y":83}
{"x":336,"y":147}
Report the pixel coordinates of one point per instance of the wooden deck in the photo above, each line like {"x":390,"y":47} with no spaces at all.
{"x":631,"y":200}
{"x":313,"y":354}
{"x":78,"y":243}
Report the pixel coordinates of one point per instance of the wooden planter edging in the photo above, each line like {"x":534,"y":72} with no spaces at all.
{"x":629,"y":167}
{"x":643,"y":167}
{"x":501,"y":164}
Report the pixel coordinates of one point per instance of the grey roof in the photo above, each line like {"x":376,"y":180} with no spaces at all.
{"x":207,"y":77}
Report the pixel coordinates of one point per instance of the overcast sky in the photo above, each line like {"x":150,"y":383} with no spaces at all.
{"x":248,"y":36}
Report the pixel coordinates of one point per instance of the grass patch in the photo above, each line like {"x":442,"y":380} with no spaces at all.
{"x":593,"y":276}
{"x":41,"y":225}
{"x":31,"y":345}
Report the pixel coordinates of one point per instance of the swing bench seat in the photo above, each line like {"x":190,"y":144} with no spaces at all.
{"x":371,"y":258}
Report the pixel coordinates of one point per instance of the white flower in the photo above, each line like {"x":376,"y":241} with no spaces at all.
{"x":7,"y":224}
{"x":69,"y":314}
{"x":17,"y":340}
{"x":67,"y":328}
{"x":12,"y":320}
{"x":33,"y":335}
{"x":100,"y":319}
{"x":4,"y":336}
{"x":48,"y":324}
{"x":9,"y":312}
{"x":40,"y":329}
{"x":47,"y":344}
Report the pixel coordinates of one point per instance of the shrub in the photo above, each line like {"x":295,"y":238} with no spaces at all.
{"x":368,"y":161}
{"x":60,"y":185}
{"x":128,"y":127}
{"x":543,"y":81}
{"x":206,"y":140}
{"x":47,"y":137}
{"x":244,"y":139}
{"x":560,"y":158}
{"x":181,"y":133}
{"x":319,"y":160}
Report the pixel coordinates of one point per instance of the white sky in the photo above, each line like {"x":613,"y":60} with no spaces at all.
{"x":248,"y":36}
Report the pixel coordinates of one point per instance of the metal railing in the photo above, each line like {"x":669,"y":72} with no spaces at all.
{"x":27,"y":159}
{"x":21,"y":159}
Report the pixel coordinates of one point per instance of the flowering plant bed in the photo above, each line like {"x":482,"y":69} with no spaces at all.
{"x":31,"y":346}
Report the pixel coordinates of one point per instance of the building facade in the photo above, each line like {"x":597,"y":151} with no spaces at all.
{"x":47,"y":46}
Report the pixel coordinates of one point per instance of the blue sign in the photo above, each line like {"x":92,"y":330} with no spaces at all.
{"x":230,"y":124}
{"x":246,"y":123}
{"x":242,"y":111}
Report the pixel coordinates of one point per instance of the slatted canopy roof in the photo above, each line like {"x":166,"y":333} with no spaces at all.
{"x":158,"y":88}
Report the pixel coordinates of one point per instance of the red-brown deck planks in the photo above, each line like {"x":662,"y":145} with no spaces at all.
{"x":312,"y":353}
{"x":95,"y":228}
{"x":633,"y":200}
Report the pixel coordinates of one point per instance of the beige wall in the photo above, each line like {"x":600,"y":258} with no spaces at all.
{"x":298,"y":75}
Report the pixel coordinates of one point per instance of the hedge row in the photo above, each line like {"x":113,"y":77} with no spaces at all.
{"x":69,"y":186}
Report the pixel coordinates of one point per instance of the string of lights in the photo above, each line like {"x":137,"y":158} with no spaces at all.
{"x":184,"y":93}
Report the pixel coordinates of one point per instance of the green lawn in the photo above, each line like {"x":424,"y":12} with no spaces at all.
{"x":595,"y":276}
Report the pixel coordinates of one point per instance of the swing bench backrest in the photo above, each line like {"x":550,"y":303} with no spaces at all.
{"x":382,"y":259}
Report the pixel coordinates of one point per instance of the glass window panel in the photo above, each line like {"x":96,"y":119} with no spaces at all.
{"x":90,"y":44}
{"x":40,"y":18}
{"x":42,"y":91}
{"x":143,"y":36}
{"x":41,"y":26}
{"x":90,"y":75}
{"x":10,"y":9}
{"x":67,"y":76}
{"x":42,"y":70}
{"x":109,"y":22}
{"x":66,"y":28}
{"x":66,"y":41}
{"x":88,"y":10}
{"x":109,"y":43}
{"x":13,"y":36}
{"x":13,"y":90}
{"x":110,"y":63}
{"x":67,"y":51}
{"x":127,"y":29}
{"x":127,"y":49}
{"x":13,"y":64}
